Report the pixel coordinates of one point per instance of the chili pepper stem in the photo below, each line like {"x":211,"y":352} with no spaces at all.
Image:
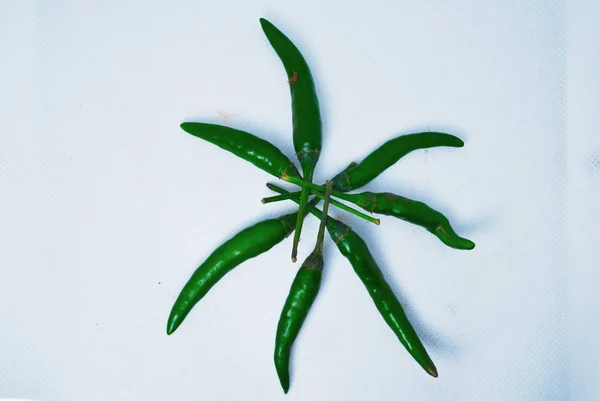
{"x":314,"y":210}
{"x":301,"y":208}
{"x":346,"y":197}
{"x":290,"y":195}
{"x":317,"y":189}
{"x":321,"y":234}
{"x":278,"y":198}
{"x":350,"y":210}
{"x":305,"y":184}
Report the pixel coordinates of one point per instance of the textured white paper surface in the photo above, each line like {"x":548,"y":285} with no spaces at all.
{"x":107,"y":207}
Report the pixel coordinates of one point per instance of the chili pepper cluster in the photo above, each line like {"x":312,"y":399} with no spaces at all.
{"x":261,"y":237}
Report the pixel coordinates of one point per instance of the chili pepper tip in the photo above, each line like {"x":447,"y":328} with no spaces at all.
{"x":432,"y":371}
{"x":172,"y":325}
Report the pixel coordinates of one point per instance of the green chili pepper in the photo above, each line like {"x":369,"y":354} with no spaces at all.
{"x":303,"y":292}
{"x":306,"y":115}
{"x":387,"y":155}
{"x":305,"y":104}
{"x":412,"y":211}
{"x":257,"y":151}
{"x":248,"y":243}
{"x":354,"y":248}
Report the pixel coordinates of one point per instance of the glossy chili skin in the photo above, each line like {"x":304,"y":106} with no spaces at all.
{"x":306,"y":114}
{"x":303,"y":293}
{"x":248,"y":243}
{"x":354,"y":248}
{"x":249,"y":147}
{"x":388,"y":154}
{"x":414,"y":212}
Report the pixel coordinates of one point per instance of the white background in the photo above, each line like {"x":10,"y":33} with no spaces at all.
{"x":107,"y":207}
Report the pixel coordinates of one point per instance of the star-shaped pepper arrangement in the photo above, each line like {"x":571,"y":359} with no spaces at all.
{"x":262,"y":236}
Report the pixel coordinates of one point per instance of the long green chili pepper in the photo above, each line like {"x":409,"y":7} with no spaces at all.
{"x":306,"y":115}
{"x":257,"y":151}
{"x":388,"y":154}
{"x":412,"y":211}
{"x":354,"y":248}
{"x":248,"y":243}
{"x":303,"y":292}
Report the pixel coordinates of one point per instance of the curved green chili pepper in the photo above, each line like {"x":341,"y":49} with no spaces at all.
{"x":261,"y":153}
{"x":387,"y":155}
{"x":412,"y":211}
{"x":305,"y":104}
{"x":248,"y":243}
{"x":306,"y":115}
{"x":303,"y":292}
{"x":354,"y":248}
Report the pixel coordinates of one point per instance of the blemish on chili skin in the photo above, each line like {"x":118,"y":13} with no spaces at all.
{"x":294,"y":78}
